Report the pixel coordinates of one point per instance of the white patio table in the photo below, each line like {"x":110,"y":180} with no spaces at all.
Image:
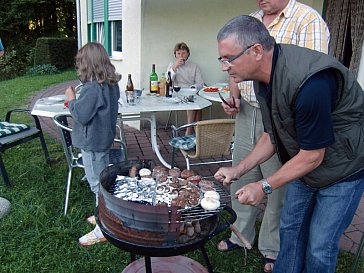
{"x":50,"y":106}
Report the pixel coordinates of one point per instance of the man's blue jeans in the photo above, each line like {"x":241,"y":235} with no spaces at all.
{"x":312,"y":222}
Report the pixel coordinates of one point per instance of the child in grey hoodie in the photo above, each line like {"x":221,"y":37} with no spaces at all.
{"x":94,"y":115}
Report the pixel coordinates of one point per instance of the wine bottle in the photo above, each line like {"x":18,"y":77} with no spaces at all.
{"x":129,"y":85}
{"x":153,"y":81}
{"x":169,"y":85}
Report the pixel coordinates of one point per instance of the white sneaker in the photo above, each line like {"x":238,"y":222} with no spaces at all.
{"x":93,"y":237}
{"x":92,"y":220}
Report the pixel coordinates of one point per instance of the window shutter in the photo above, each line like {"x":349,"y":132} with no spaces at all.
{"x":89,"y":12}
{"x":98,"y":10}
{"x":115,"y":10}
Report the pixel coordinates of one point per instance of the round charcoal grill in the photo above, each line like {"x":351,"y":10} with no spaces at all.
{"x":154,"y":231}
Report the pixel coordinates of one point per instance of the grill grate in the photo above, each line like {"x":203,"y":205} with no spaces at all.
{"x":198,"y":213}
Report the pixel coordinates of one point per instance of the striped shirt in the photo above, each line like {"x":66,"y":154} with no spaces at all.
{"x":297,"y":24}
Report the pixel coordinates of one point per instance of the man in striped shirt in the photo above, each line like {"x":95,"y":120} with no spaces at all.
{"x":290,"y":22}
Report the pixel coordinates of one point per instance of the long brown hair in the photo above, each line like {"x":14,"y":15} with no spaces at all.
{"x":93,"y":63}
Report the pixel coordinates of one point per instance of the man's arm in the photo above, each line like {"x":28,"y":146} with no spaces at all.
{"x":299,"y":165}
{"x":263,"y":150}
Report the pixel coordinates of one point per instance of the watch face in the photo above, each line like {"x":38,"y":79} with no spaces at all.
{"x":266,"y":187}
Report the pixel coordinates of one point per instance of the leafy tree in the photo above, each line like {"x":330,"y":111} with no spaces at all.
{"x":22,"y":22}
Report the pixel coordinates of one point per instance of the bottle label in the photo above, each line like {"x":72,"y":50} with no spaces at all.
{"x":154,"y":86}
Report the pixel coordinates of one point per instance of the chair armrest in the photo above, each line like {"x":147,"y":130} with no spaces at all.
{"x":28,"y":112}
{"x":58,"y":121}
{"x":175,"y":129}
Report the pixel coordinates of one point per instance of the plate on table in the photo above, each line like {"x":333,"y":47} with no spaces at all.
{"x":58,"y":98}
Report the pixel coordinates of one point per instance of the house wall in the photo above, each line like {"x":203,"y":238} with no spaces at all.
{"x":151,"y":28}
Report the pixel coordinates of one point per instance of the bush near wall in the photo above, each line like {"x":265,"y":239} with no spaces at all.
{"x":59,"y":52}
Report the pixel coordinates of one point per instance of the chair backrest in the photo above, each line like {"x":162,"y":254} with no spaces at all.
{"x":214,"y":137}
{"x":63,"y":124}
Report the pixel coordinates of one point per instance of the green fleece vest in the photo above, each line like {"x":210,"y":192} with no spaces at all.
{"x":294,"y":66}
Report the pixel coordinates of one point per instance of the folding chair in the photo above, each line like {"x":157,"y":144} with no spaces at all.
{"x":73,"y":155}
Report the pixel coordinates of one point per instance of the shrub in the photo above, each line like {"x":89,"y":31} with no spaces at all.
{"x":12,"y":64}
{"x":59,"y":52}
{"x":44,"y":69}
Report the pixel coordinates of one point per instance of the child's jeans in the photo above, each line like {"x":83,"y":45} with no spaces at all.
{"x":95,"y":163}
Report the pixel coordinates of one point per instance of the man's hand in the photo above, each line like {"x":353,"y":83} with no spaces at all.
{"x":226,"y":175}
{"x":230,"y":109}
{"x":250,"y":194}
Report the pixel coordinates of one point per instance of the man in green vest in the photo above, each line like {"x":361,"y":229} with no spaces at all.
{"x":313,"y":115}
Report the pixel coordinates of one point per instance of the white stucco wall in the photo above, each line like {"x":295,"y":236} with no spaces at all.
{"x":167,"y":22}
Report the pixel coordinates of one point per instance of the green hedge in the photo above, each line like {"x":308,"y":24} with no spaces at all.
{"x":59,"y":52}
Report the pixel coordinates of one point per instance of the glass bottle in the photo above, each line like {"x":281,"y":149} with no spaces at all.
{"x":153,"y":81}
{"x":162,"y":86}
{"x":129,"y":84}
{"x":169,"y":85}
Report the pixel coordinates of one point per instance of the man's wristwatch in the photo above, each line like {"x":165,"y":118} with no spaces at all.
{"x":266,"y":187}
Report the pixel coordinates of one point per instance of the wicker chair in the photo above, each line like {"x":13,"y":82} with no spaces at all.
{"x":214,"y":139}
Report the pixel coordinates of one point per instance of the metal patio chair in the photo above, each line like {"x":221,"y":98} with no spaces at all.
{"x":9,"y":141}
{"x":74,"y":156}
{"x":214,"y":139}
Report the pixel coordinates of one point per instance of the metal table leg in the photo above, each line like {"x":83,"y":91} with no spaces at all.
{"x":153,"y":133}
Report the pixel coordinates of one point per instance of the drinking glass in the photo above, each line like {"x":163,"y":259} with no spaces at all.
{"x":176,"y":89}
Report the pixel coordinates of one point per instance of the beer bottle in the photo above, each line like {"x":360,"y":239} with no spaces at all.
{"x":169,"y":85}
{"x":129,"y":84}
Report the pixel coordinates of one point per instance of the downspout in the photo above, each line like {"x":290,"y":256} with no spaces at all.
{"x":93,"y":25}
{"x":106,"y":27}
{"x":78,"y":18}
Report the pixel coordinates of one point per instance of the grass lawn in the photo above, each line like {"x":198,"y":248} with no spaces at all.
{"x":36,"y":237}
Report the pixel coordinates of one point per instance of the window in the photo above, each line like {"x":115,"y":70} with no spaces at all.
{"x":115,"y":17}
{"x":110,"y":20}
{"x":100,"y":36}
{"x":116,"y":38}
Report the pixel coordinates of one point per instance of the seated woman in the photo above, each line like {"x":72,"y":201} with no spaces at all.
{"x":186,"y":74}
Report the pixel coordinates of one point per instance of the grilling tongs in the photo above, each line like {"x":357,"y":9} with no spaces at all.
{"x":224,"y":101}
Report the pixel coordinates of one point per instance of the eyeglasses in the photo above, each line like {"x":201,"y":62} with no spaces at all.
{"x":227,"y":62}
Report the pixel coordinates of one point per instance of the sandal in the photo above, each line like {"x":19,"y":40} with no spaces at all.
{"x":229,"y":246}
{"x":268,"y":261}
